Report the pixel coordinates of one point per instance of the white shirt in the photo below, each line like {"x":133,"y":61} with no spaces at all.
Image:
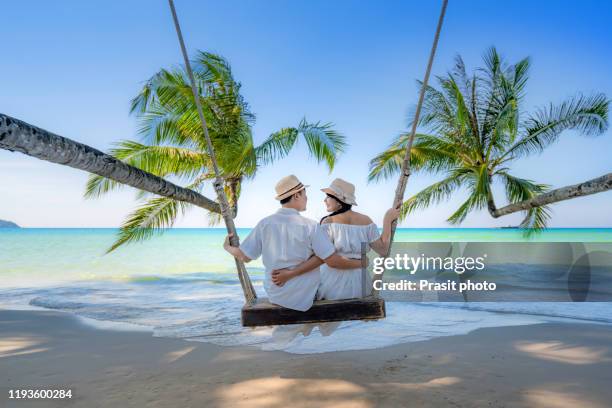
{"x":284,"y":240}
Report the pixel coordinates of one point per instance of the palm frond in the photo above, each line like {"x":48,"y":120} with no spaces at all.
{"x":463,"y":120}
{"x":161,"y":160}
{"x":324,"y":143}
{"x":159,"y":125}
{"x":165,"y":88}
{"x":437,"y":114}
{"x":588,"y":115}
{"x":467,"y":87}
{"x":434,"y":193}
{"x":519,"y":189}
{"x":494,"y":64}
{"x":155,"y":216}
{"x":276,"y":146}
{"x":212,"y":68}
{"x":464,"y":209}
{"x":428,"y":153}
{"x":535,"y":221}
{"x":459,"y":71}
{"x":387,"y":163}
{"x":152,"y":218}
{"x":491,"y":75}
{"x":479,"y":184}
{"x":213,"y":219}
{"x":520,"y":77}
{"x":97,"y":186}
{"x":503,"y":126}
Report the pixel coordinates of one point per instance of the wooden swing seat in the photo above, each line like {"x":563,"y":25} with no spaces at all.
{"x":264,"y":313}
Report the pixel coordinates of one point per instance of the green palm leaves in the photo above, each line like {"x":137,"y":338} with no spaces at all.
{"x":476,"y":129}
{"x":324,"y":143}
{"x":173,"y":146}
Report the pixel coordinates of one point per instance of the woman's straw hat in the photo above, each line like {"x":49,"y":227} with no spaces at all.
{"x":287,"y":186}
{"x":342,"y":190}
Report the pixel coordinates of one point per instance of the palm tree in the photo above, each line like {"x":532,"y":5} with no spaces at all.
{"x":173,"y":144}
{"x":477,"y":129}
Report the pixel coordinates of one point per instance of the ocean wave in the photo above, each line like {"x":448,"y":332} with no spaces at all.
{"x":206,"y":307}
{"x":590,"y":312}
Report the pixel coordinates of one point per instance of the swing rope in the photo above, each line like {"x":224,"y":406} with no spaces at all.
{"x":245,"y":281}
{"x":405,"y":171}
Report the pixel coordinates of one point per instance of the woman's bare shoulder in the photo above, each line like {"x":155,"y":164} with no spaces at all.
{"x":361,"y":219}
{"x":327,"y":220}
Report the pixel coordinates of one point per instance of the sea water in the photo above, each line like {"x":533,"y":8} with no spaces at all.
{"x":183,"y":285}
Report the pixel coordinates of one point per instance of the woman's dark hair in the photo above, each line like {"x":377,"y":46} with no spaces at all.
{"x":344,"y":207}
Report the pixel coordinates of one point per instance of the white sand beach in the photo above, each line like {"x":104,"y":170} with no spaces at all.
{"x":545,"y":365}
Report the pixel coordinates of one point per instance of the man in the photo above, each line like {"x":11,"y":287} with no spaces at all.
{"x":286,"y":239}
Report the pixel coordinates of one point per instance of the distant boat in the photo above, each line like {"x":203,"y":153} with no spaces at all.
{"x":508,"y":226}
{"x":8,"y":224}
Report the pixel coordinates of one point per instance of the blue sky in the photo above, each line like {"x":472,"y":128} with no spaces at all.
{"x":72,"y":67}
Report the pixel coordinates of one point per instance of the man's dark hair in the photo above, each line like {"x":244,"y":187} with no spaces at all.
{"x":287,"y":199}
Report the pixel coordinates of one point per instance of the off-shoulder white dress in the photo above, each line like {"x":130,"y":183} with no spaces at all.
{"x":346,"y":283}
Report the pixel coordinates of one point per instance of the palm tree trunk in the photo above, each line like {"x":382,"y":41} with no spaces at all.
{"x":19,"y":136}
{"x":247,"y":287}
{"x":596,"y":185}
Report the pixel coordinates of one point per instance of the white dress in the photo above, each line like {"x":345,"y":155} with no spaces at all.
{"x":346,"y":283}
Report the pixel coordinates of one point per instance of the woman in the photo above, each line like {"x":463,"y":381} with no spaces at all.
{"x":347,"y":230}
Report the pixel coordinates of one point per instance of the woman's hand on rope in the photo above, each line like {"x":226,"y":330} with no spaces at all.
{"x":381,"y":245}
{"x":392,"y":214}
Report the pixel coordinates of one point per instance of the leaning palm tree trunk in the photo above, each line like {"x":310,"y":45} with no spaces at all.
{"x":405,"y":171}
{"x":226,"y":212}
{"x":18,"y":136}
{"x":596,"y":185}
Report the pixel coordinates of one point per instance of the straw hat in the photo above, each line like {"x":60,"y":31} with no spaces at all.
{"x":342,"y":190}
{"x":288,"y":186}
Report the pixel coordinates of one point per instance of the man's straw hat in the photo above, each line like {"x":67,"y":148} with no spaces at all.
{"x":342,"y":190}
{"x":287,"y":186}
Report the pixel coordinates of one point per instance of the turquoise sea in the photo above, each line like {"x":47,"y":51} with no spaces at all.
{"x":182,"y":284}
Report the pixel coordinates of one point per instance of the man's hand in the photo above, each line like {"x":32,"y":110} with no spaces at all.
{"x":226,"y":243}
{"x":280,"y":276}
{"x":236,"y":252}
{"x":340,"y":262}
